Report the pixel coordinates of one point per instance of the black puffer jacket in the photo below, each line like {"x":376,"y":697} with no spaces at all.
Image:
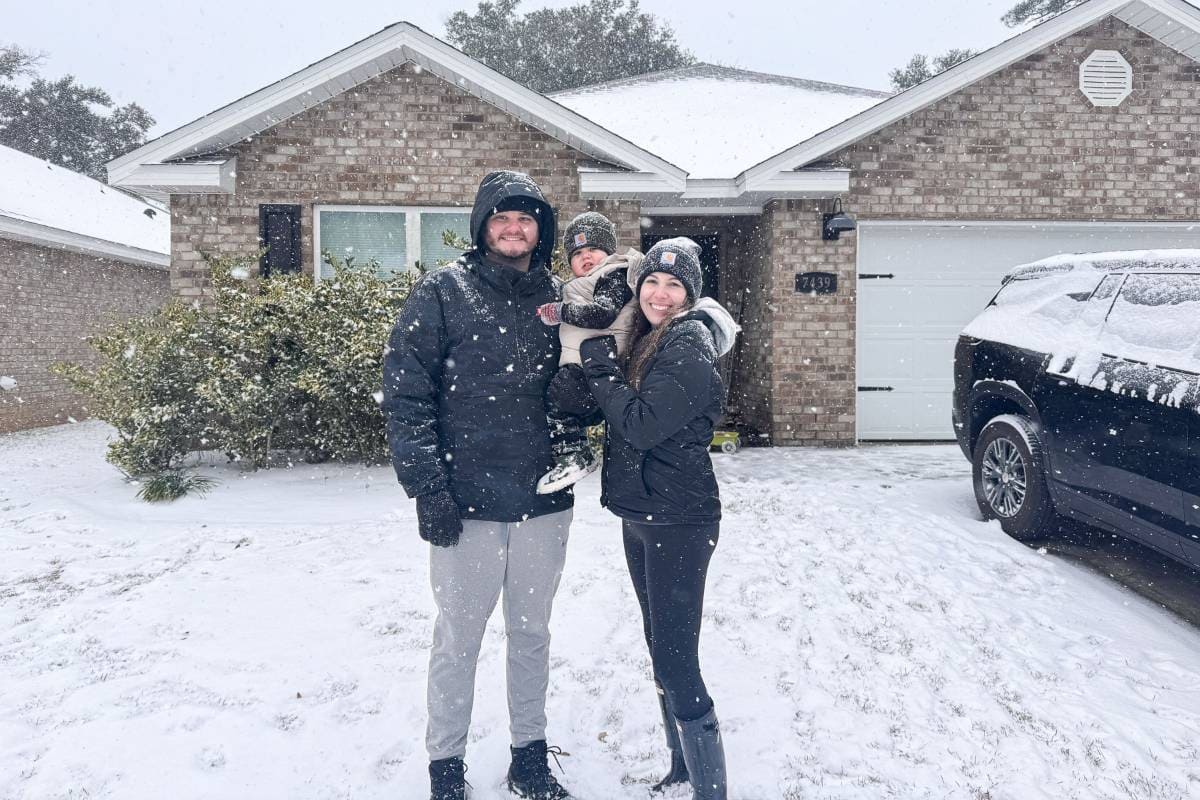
{"x":465,"y":373}
{"x":656,"y":463}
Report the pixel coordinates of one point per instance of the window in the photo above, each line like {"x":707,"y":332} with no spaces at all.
{"x":279,"y":232}
{"x":1156,"y":319}
{"x":396,"y":237}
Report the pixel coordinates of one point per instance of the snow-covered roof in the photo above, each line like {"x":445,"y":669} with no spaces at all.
{"x":46,"y":204}
{"x":1111,"y":261}
{"x":715,"y":121}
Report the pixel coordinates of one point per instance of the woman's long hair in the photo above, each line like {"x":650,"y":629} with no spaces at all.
{"x":643,"y":343}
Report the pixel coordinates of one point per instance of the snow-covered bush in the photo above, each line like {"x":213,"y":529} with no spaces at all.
{"x":269,"y":366}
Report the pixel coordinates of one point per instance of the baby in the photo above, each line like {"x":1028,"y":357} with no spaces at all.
{"x":598,"y":301}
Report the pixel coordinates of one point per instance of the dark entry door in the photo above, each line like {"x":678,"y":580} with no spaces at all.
{"x":710,"y":253}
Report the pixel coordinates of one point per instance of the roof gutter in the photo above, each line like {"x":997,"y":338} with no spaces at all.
{"x":32,"y":233}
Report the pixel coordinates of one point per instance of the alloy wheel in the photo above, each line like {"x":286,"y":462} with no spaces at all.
{"x":1003,"y":474}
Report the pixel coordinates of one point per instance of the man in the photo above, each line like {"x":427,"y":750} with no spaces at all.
{"x":465,"y":372}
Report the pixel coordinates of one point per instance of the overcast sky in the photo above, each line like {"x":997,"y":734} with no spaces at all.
{"x":181,"y":61}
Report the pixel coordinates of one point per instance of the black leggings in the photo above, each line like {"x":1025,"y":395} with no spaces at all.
{"x":668,"y":565}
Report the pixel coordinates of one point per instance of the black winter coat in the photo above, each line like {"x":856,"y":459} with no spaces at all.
{"x":656,"y":463}
{"x":465,"y":375}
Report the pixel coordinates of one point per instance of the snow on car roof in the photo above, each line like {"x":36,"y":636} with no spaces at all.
{"x":1111,"y":261}
{"x":716,"y":122}
{"x":42,"y":193}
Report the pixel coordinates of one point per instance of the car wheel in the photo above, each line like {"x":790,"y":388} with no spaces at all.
{"x":729,"y":447}
{"x":1010,"y":480}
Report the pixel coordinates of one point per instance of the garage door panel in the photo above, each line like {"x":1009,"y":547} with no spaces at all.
{"x":886,"y":304}
{"x":943,"y":276}
{"x":889,"y":360}
{"x":884,"y":411}
{"x":903,"y":414}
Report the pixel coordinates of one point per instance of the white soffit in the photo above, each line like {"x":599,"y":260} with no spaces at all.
{"x":188,"y":177}
{"x":380,"y":53}
{"x":796,"y":184}
{"x":1174,"y":22}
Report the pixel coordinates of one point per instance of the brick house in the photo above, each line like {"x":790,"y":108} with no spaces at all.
{"x":1075,"y":135}
{"x":74,"y":255}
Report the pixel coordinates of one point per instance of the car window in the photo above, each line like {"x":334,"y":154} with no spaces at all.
{"x":1039,"y":313}
{"x":1156,"y":319}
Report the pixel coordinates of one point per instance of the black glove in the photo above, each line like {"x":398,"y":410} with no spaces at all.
{"x":437,"y":518}
{"x":598,"y":351}
{"x":568,"y":392}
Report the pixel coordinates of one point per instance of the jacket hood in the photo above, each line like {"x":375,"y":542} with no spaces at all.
{"x":494,"y":189}
{"x":718,"y":321}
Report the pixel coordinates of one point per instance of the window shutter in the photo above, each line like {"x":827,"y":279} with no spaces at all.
{"x":279,"y":232}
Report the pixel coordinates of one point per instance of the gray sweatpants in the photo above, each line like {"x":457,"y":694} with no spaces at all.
{"x":525,"y":559}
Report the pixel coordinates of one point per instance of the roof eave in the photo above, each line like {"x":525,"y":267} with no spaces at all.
{"x":702,"y":192}
{"x":180,"y":178}
{"x":33,"y":233}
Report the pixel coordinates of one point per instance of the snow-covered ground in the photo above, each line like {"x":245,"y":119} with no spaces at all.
{"x":865,"y":637}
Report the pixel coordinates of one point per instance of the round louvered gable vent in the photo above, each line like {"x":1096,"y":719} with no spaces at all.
{"x":1106,"y":78}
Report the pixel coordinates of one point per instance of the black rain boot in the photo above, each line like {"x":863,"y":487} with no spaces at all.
{"x":678,"y":772}
{"x":529,"y":774}
{"x":447,"y":779}
{"x":704,"y":755}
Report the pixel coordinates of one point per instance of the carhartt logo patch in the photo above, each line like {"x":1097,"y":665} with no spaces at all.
{"x":580,"y":239}
{"x":668,"y":257}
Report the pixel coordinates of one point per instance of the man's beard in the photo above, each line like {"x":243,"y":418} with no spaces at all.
{"x":505,"y":249}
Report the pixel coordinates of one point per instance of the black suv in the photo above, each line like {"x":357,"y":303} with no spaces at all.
{"x":1077,"y":393}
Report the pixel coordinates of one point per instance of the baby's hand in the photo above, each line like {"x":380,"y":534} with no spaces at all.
{"x":550,"y":313}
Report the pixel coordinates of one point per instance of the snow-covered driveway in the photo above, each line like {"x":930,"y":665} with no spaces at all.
{"x":866,"y":637}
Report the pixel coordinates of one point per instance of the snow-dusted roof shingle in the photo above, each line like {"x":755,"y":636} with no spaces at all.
{"x":47,"y":204}
{"x":717,"y":121}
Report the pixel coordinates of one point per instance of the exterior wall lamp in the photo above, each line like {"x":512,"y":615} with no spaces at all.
{"x":837,"y":222}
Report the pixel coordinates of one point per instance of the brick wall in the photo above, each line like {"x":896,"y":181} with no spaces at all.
{"x":1021,"y":144}
{"x":404,"y":138}
{"x":49,"y":301}
{"x":811,"y":337}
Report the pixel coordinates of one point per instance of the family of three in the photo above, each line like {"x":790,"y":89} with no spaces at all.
{"x":491,"y":375}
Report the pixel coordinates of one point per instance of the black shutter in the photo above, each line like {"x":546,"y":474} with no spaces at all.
{"x":279,"y":232}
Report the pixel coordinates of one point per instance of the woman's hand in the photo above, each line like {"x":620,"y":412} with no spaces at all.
{"x":599,"y":352}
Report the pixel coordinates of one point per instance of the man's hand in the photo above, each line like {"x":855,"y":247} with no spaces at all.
{"x":437,"y":518}
{"x":550,"y":313}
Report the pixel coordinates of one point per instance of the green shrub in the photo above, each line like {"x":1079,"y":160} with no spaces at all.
{"x":280,"y":364}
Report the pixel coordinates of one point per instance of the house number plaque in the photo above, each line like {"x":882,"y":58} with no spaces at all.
{"x":816,"y":283}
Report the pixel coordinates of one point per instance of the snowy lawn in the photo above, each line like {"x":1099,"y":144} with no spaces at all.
{"x":865,"y":637}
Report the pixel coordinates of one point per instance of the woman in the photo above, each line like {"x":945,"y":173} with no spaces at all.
{"x":661,"y":406}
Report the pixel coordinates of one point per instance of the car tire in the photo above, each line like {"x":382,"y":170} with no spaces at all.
{"x":1010,"y":479}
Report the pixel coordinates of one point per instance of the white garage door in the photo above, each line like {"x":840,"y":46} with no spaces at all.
{"x":930,"y":281}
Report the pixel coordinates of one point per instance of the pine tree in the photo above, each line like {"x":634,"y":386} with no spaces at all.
{"x":552,"y":49}
{"x":918,"y":69}
{"x":58,"y":120}
{"x":1036,"y":10}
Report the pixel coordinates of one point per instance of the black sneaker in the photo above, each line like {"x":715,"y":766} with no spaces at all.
{"x":447,"y":779}
{"x":529,"y":774}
